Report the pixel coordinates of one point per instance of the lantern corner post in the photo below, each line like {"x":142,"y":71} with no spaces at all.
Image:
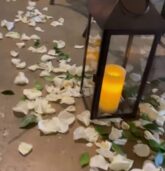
{"x":100,"y":72}
{"x":85,"y":51}
{"x":147,"y":70}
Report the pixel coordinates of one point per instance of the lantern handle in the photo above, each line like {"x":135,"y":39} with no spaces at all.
{"x":147,"y":7}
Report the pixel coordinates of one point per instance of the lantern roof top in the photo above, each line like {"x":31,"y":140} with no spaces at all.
{"x":110,"y":16}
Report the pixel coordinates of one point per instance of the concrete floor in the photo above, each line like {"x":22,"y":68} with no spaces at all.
{"x":55,"y":152}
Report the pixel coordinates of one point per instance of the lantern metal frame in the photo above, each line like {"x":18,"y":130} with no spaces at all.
{"x":106,"y":36}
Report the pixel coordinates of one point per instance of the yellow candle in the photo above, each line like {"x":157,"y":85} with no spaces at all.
{"x":112,"y":86}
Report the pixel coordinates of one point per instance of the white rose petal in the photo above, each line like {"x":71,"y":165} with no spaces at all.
{"x":33,"y":67}
{"x":88,"y":134}
{"x":84,"y":117}
{"x":60,"y":43}
{"x":79,"y":46}
{"x":115,"y":134}
{"x":41,"y":106}
{"x":98,"y":161}
{"x":135,"y":77}
{"x":20,"y":45}
{"x":52,"y":97}
{"x":21,"y":79}
{"x":52,"y":52}
{"x":32,"y":94}
{"x":9,"y":25}
{"x":70,"y":109}
{"x":105,"y":153}
{"x":21,"y":65}
{"x":25,"y":37}
{"x":46,"y":57}
{"x":39,"y":29}
{"x":15,"y":61}
{"x":13,"y":35}
{"x":25,"y":148}
{"x":42,"y":49}
{"x":35,"y":37}
{"x":22,"y":107}
{"x":121,"y":163}
{"x":66,"y":117}
{"x":149,"y":110}
{"x":44,"y":73}
{"x":141,"y":150}
{"x":14,"y":53}
{"x":67,"y":100}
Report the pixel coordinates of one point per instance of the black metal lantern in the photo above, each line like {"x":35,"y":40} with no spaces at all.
{"x":107,"y":95}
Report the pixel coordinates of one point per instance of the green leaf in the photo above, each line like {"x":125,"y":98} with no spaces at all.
{"x":69,"y":76}
{"x":152,"y":127}
{"x":127,"y":134}
{"x":39,"y":86}
{"x":117,"y":148}
{"x":29,"y":120}
{"x":84,"y":159}
{"x":136,"y":131}
{"x":130,"y":91}
{"x":154,"y":145}
{"x":102,"y":131}
{"x":8,"y":92}
{"x":153,"y":102}
{"x":144,"y":116}
{"x":36,"y":43}
{"x":49,"y":78}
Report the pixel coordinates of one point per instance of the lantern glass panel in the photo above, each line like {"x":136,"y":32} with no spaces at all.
{"x":123,"y":74}
{"x":91,"y":63}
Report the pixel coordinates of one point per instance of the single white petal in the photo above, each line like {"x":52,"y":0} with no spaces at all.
{"x":60,"y":43}
{"x":149,"y":166}
{"x":104,"y":145}
{"x":115,"y":134}
{"x":79,"y":46}
{"x":21,"y":65}
{"x":84,"y":117}
{"x":70,"y":109}
{"x":41,"y":106}
{"x":52,"y":52}
{"x":98,"y":161}
{"x":135,"y":77}
{"x":52,"y":97}
{"x":33,"y":67}
{"x":8,"y":24}
{"x":35,"y":37}
{"x":66,"y":117}
{"x":25,"y":37}
{"x":149,"y":110}
{"x":67,"y":100}
{"x":39,"y":29}
{"x":88,"y":134}
{"x":14,"y":53}
{"x":121,"y":163}
{"x":46,"y":57}
{"x":141,"y":150}
{"x":44,"y":73}
{"x":13,"y":35}
{"x":21,"y":79}
{"x":15,"y":61}
{"x":25,"y":148}
{"x":22,"y":107}
{"x":32,"y":94}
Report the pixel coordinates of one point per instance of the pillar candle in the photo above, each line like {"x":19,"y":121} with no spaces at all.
{"x":112,"y":86}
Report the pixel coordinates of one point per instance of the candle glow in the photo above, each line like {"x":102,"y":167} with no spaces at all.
{"x":112,"y":86}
